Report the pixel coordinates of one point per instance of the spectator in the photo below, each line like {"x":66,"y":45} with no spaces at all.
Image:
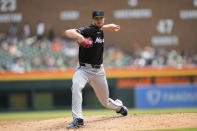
{"x":49,"y":61}
{"x":13,"y":50}
{"x":51,"y":34}
{"x":18,"y":65}
{"x":55,"y":47}
{"x":26,"y":30}
{"x":148,"y":54}
{"x":40,"y":30}
{"x":13,"y":31}
{"x":36,"y":62}
{"x":60,"y":53}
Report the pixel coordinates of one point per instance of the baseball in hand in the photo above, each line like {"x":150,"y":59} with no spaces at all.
{"x":117,"y":28}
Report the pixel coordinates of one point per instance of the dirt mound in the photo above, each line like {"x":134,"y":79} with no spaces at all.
{"x":108,"y":123}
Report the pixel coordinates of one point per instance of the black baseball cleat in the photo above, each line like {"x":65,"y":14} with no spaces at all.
{"x":123,"y":111}
{"x":77,"y":122}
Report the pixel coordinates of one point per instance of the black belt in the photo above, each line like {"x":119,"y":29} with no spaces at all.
{"x":92,"y":65}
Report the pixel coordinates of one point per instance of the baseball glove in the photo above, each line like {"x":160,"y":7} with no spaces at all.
{"x":87,"y":43}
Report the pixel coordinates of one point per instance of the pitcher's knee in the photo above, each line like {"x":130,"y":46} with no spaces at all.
{"x":77,"y":86}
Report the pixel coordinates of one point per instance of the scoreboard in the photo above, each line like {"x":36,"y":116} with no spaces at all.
{"x":170,"y":24}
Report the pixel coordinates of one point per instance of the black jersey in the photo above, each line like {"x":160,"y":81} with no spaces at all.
{"x":94,"y":54}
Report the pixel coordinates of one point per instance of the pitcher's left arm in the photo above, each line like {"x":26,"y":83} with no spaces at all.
{"x":111,"y":27}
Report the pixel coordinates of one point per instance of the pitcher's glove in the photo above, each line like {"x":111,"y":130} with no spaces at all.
{"x":87,"y":43}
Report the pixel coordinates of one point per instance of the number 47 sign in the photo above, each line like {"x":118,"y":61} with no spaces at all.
{"x":165,"y":26}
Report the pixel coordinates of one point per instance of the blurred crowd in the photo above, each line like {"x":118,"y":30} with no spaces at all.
{"x":47,"y":51}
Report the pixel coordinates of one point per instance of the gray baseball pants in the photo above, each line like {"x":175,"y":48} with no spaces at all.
{"x":97,"y":79}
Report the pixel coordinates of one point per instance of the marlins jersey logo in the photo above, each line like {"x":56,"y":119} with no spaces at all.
{"x":99,"y":40}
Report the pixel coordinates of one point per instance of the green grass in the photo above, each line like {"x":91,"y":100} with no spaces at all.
{"x":30,"y":115}
{"x":86,"y":112}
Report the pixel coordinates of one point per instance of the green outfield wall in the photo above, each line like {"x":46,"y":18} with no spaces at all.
{"x":53,"y":94}
{"x":56,"y":93}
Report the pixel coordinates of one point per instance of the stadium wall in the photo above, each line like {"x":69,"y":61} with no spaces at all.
{"x":33,"y":91}
{"x":168,"y":24}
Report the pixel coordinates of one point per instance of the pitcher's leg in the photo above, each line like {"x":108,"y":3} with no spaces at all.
{"x":100,"y":87}
{"x":79,"y":81}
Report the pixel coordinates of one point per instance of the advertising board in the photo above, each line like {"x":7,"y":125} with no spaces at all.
{"x":166,"y":96}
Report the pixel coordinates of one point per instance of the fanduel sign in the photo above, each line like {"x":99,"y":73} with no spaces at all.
{"x":166,"y":96}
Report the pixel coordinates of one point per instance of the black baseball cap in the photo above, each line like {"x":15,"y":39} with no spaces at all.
{"x":97,"y":13}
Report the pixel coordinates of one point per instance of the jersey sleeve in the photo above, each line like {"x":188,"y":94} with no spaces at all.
{"x":85,"y":31}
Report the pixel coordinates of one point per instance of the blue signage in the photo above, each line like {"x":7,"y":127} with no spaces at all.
{"x":166,"y":96}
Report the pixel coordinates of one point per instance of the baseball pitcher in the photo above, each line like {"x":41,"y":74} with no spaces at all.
{"x":90,"y":68}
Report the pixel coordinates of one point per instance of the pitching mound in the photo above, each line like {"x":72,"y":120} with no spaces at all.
{"x":108,"y":123}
